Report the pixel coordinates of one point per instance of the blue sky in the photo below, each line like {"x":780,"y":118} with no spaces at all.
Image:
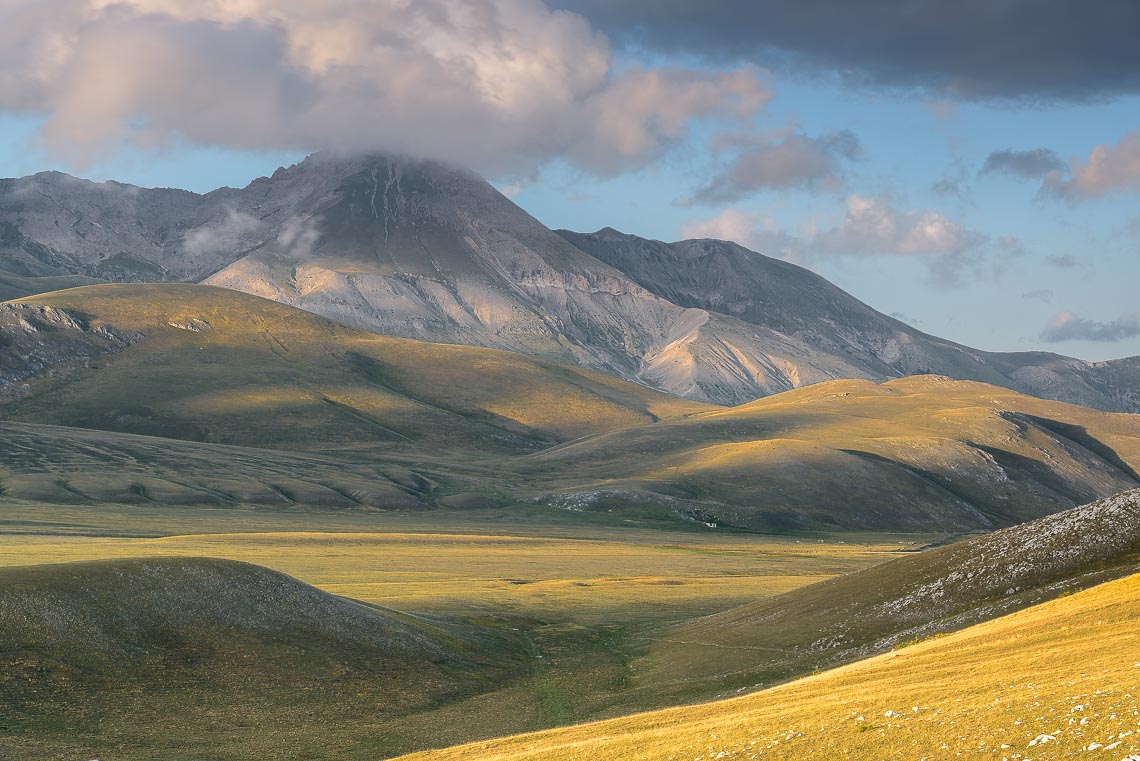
{"x":999,"y":260}
{"x":909,"y":145}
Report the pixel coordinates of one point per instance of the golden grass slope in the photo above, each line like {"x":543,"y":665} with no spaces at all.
{"x":222,"y":366}
{"x":1058,"y":680}
{"x":915,"y":596}
{"x":912,"y":454}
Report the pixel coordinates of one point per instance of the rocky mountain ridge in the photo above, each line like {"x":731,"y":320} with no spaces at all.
{"x":421,"y":250}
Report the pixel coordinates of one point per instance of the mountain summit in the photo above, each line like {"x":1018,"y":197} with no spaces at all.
{"x":423,"y":250}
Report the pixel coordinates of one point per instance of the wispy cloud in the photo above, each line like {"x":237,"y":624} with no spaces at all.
{"x":872,"y":226}
{"x":1066,"y":326}
{"x":1029,"y":165}
{"x":1044,"y":295}
{"x":790,"y":161}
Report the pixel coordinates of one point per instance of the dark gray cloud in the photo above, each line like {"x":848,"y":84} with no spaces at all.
{"x":1030,"y":165}
{"x":794,"y":161}
{"x":1066,"y":326}
{"x":973,"y":49}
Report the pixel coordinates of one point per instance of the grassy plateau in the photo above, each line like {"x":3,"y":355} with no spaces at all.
{"x":230,"y":530}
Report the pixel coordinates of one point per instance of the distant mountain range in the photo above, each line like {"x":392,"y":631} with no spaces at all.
{"x":421,"y":250}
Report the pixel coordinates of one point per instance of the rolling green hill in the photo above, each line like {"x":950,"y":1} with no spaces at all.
{"x":210,"y":364}
{"x":427,"y":424}
{"x":921,"y":453}
{"x":180,"y":657}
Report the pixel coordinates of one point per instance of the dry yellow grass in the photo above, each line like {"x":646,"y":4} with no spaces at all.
{"x":625,"y":577}
{"x":910,"y":453}
{"x":1058,"y":680}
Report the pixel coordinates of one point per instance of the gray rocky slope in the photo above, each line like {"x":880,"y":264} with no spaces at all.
{"x":421,"y":250}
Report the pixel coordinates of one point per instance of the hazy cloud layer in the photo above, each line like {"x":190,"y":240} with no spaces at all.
{"x":871,"y":227}
{"x":967,"y":49}
{"x":228,"y":234}
{"x":1030,"y":165}
{"x":1066,"y":326}
{"x":790,"y":161}
{"x":498,"y":85}
{"x":1044,"y":295}
{"x":1063,"y":261}
{"x":1108,"y":169}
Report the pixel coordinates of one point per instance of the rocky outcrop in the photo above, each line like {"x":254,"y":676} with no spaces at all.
{"x":37,"y":338}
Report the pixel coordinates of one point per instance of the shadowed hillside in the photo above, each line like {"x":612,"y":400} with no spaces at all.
{"x":209,"y":364}
{"x":104,"y":655}
{"x":429,"y":423}
{"x":41,"y":463}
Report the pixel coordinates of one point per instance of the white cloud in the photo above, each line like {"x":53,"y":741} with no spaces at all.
{"x":870,"y":227}
{"x":873,"y":226}
{"x":731,"y":224}
{"x":1108,"y":169}
{"x":232,"y":233}
{"x":497,"y":85}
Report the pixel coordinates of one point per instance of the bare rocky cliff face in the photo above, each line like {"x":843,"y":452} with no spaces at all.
{"x":34,"y":339}
{"x":724,"y":277}
{"x":421,"y":250}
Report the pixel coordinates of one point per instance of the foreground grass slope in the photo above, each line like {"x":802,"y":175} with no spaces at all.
{"x":1008,"y":688}
{"x":535,"y":620}
{"x":910,"y":598}
{"x":914,"y":453}
{"x":216,"y":365}
{"x":99,"y":657}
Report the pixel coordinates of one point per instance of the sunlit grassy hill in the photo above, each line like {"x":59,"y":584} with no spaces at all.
{"x":1057,"y":680}
{"x":484,"y":427}
{"x":221,"y":366}
{"x":914,"y":453}
{"x":158,"y":656}
{"x":911,"y":598}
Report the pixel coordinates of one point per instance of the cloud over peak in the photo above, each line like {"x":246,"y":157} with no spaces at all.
{"x":497,"y":85}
